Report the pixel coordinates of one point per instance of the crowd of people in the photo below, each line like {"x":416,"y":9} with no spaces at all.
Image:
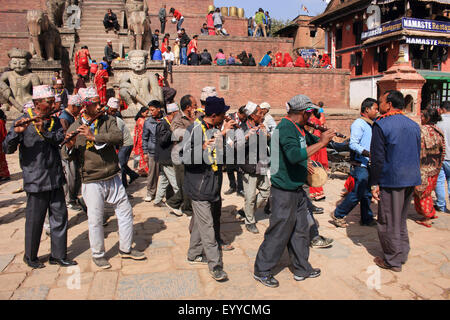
{"x":184,"y":150}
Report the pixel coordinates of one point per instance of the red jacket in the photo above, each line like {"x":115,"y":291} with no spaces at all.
{"x":177,"y":14}
{"x":300,"y":62}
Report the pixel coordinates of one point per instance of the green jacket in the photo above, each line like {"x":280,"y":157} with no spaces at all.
{"x":260,"y":18}
{"x":97,"y":164}
{"x":289,"y":156}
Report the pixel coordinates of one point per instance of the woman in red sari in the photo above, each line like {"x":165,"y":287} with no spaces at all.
{"x":287,"y":60}
{"x":82,"y":58}
{"x":326,"y":61}
{"x":210,"y":23}
{"x":4,"y":172}
{"x":432,"y":154}
{"x":321,"y":156}
{"x":100,"y":80}
{"x":278,"y":59}
{"x":137,"y":148}
{"x":165,"y":43}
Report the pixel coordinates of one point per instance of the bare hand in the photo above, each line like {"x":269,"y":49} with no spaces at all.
{"x":70,"y":142}
{"x":310,"y":167}
{"x":208,"y":143}
{"x":21,"y":129}
{"x":376,"y":193}
{"x":327,"y":136}
{"x":146,"y":157}
{"x":228,"y":125}
{"x":85,"y":131}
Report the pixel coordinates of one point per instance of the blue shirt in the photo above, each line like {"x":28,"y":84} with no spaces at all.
{"x":360,"y":138}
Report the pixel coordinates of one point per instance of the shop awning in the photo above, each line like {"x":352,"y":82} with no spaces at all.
{"x":434,"y":75}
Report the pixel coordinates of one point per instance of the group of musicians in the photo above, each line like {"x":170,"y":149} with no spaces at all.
{"x":90,"y":138}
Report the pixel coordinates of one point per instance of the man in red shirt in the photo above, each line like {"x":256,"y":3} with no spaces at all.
{"x":177,"y":15}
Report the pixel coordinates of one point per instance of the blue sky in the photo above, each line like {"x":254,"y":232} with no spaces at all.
{"x":281,"y":9}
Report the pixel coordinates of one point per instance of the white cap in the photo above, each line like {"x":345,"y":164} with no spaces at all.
{"x":250,"y":108}
{"x":59,"y":81}
{"x":208,"y":92}
{"x":42,"y":92}
{"x":172,"y":107}
{"x":265,"y":105}
{"x":108,"y":41}
{"x":113,"y":103}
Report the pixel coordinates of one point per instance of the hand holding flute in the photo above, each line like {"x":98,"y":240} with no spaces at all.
{"x":324,"y":129}
{"x":21,"y":125}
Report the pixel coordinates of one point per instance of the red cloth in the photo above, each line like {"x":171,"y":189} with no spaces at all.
{"x":210,"y":23}
{"x":177,"y":14}
{"x":278,"y":59}
{"x":286,"y":59}
{"x":100,"y":80}
{"x":137,"y":148}
{"x":82,"y":62}
{"x":300,"y":62}
{"x":164,"y":45}
{"x":349,"y":184}
{"x":94,"y":68}
{"x":4,"y":172}
{"x":161,"y":81}
{"x":325,"y":60}
{"x":321,"y":156}
{"x":193,"y":45}
{"x":424,"y":203}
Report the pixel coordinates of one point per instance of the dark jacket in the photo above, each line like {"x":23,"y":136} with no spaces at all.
{"x":395,"y":153}
{"x":39,"y":157}
{"x":201,"y":182}
{"x":251,"y":61}
{"x":113,"y":17}
{"x":206,"y":58}
{"x":257,"y":156}
{"x":97,"y":164}
{"x":184,"y":40}
{"x":149,"y":136}
{"x":155,"y":41}
{"x":164,"y":143}
{"x":110,"y":54}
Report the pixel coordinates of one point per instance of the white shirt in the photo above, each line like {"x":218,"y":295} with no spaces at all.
{"x":168,"y":56}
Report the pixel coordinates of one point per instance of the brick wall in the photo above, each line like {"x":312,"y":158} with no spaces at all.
{"x":186,"y":7}
{"x":274,"y":85}
{"x":193,"y":23}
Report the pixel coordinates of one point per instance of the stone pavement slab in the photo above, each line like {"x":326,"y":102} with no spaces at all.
{"x":348,"y":271}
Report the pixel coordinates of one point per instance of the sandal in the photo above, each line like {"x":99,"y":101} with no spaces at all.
{"x":423,"y":223}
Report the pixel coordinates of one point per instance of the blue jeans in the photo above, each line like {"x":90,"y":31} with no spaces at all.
{"x":184,"y":55}
{"x":360,"y":194}
{"x":124,"y":156}
{"x":180,"y":22}
{"x":444,"y":176}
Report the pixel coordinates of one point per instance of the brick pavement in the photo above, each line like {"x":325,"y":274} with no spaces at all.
{"x":346,"y":267}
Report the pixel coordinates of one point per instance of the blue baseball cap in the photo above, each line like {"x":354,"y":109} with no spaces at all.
{"x":215,"y":105}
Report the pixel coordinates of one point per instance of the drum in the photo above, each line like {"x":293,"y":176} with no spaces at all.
{"x":224,"y":11}
{"x":241,"y":13}
{"x":211,"y":8}
{"x":319,"y":177}
{"x":233,"y":12}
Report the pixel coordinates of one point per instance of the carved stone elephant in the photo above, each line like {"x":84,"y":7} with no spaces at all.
{"x":55,"y":9}
{"x":139,"y":31}
{"x":45,"y":37}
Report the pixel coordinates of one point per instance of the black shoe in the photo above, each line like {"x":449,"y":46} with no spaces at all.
{"x":372,"y":223}
{"x":252,"y":228}
{"x":240,"y":215}
{"x":133,"y":179}
{"x":82,"y":204}
{"x":314,"y":274}
{"x":241,"y":193}
{"x":35,"y":264}
{"x":317,"y":210}
{"x":267,"y":208}
{"x":218,"y":274}
{"x":268,"y":281}
{"x":229,"y":191}
{"x":160,"y":204}
{"x":62,"y":262}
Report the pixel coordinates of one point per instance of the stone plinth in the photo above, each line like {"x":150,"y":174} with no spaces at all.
{"x":122,"y":67}
{"x":404,"y":78}
{"x":45,"y":69}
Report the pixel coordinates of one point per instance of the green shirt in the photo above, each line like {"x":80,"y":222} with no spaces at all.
{"x":290,"y":155}
{"x":259,"y":18}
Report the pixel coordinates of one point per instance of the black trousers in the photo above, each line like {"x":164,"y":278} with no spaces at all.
{"x":288,"y":227}
{"x":109,"y":25}
{"x":180,"y":200}
{"x":124,"y":156}
{"x":37,"y":206}
{"x":392,"y":229}
{"x":163,"y":26}
{"x":235,"y":183}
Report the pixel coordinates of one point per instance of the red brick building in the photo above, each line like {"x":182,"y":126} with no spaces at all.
{"x":366,"y":36}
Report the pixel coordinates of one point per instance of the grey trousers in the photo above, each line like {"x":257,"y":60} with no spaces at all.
{"x":95,"y":195}
{"x":252,"y":184}
{"x":166,"y":177}
{"x":153,"y":174}
{"x":73,"y":177}
{"x":392,"y":229}
{"x":203,"y":236}
{"x":37,"y":206}
{"x":288,"y":227}
{"x":180,"y":200}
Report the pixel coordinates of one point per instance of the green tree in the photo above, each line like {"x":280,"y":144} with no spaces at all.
{"x":278,"y":24}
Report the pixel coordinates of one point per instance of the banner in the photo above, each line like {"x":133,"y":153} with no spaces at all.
{"x":383,"y":29}
{"x":428,"y":42}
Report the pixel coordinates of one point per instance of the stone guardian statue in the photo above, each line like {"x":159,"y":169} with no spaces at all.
{"x":137,"y":88}
{"x":16,"y":86}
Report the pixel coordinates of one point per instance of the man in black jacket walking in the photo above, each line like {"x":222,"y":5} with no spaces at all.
{"x":202,"y":183}
{"x":184,"y":42}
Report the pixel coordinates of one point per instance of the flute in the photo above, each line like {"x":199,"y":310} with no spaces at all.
{"x":75,"y":133}
{"x":323,"y":129}
{"x":30,"y":120}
